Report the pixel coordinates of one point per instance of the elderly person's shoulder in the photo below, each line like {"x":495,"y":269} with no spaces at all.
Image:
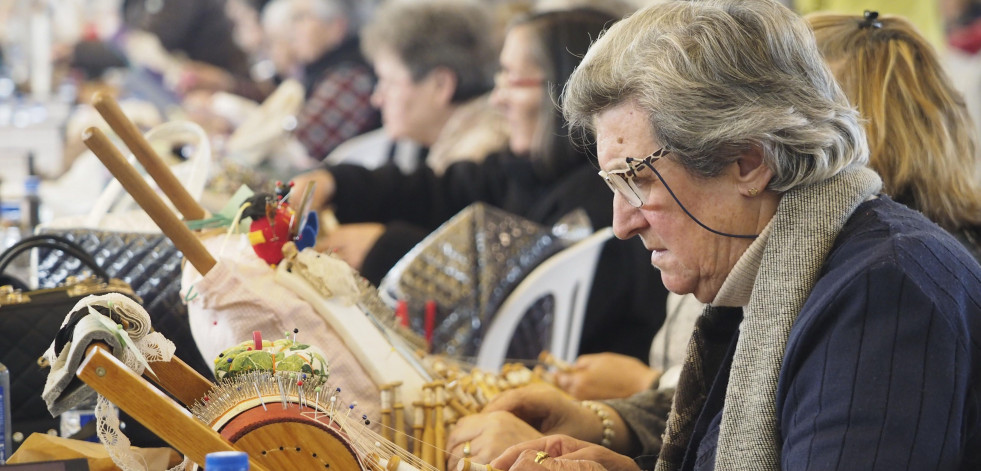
{"x":892,"y":259}
{"x":883,"y":230}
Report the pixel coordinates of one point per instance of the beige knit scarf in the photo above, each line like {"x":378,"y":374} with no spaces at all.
{"x":805,"y":226}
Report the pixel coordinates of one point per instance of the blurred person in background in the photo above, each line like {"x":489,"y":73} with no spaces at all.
{"x":963,"y":27}
{"x":435,"y":62}
{"x":337,"y":79}
{"x":542,"y":177}
{"x":922,"y":140}
{"x":925,"y":14}
{"x":276,"y":21}
{"x":199,"y":36}
{"x":199,"y":29}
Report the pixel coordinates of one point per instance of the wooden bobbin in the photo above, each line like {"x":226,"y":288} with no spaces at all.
{"x":393,"y":463}
{"x":439,"y":424}
{"x":466,"y":465}
{"x":417,"y":428}
{"x":428,"y":432}
{"x":386,"y":412}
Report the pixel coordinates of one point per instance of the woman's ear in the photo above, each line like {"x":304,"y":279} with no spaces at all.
{"x":753,"y":173}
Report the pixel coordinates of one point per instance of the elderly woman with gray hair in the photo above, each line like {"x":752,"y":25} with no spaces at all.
{"x":843,"y":329}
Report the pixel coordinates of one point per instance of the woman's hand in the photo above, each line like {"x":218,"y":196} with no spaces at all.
{"x":563,"y":454}
{"x":549,"y":410}
{"x":352,"y":242}
{"x":606,"y":376}
{"x":323,"y":193}
{"x":487,"y":435}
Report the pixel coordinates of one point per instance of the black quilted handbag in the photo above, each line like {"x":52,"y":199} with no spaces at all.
{"x":30,"y":319}
{"x":151,"y":265}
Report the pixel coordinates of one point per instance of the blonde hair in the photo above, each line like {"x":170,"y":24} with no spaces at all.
{"x":719,"y":77}
{"x":921,"y":138}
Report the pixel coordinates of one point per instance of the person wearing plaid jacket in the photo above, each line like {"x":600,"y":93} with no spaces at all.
{"x":338,"y":80}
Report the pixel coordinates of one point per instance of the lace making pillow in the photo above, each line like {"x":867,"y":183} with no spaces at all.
{"x":278,"y":355}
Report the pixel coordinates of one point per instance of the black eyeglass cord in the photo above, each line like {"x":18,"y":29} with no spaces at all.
{"x":690,"y":215}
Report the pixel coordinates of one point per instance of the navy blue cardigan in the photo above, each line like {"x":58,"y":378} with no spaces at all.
{"x":883,"y":366}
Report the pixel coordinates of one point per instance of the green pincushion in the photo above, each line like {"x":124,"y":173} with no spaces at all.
{"x":279,"y":355}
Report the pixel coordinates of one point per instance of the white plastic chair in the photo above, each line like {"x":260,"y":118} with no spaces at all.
{"x":568,"y":277}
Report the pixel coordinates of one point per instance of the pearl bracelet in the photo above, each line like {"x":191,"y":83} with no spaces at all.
{"x":604,"y":416}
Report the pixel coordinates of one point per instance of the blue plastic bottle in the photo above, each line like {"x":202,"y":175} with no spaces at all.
{"x":226,"y":461}
{"x":5,"y":446}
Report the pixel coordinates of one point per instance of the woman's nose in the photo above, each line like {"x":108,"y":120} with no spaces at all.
{"x":627,"y":220}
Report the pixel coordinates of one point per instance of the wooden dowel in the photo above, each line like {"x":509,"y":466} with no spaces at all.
{"x":130,"y":179}
{"x":154,"y":165}
{"x":439,"y":434}
{"x":429,"y":436}
{"x":386,"y":412}
{"x":417,"y":428}
{"x":458,"y":407}
{"x":159,"y":413}
{"x":401,"y":434}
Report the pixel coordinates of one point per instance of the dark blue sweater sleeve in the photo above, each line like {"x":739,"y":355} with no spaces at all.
{"x":877,"y":377}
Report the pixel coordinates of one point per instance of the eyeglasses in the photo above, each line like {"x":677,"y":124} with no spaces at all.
{"x":501,"y":81}
{"x":622,"y":181}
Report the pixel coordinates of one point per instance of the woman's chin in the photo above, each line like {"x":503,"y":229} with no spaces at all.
{"x":519,"y":148}
{"x":677,"y":284}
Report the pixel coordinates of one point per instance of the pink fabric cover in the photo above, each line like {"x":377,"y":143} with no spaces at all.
{"x":239,"y":296}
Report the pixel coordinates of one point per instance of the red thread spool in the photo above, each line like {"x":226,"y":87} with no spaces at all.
{"x":402,"y":312}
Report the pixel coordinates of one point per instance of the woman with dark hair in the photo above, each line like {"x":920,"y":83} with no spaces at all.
{"x":542,"y":177}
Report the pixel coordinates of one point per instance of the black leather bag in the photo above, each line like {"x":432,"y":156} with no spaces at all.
{"x":29,"y":322}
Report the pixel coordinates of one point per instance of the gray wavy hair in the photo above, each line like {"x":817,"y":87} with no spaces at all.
{"x":718,"y":77}
{"x":455,"y":34}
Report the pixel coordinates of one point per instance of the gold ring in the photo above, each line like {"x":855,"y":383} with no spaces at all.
{"x":466,"y":449}
{"x":540,"y":457}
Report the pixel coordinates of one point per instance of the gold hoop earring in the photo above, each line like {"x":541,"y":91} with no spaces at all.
{"x":753,"y":192}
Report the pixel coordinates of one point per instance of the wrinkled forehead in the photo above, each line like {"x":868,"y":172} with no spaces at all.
{"x":622,"y":131}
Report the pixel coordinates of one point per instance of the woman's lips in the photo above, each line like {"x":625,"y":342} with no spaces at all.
{"x":657,"y":255}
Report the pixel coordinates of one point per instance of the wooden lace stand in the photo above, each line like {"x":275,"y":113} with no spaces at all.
{"x":160,"y":414}
{"x":135,"y":395}
{"x":195,"y":439}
